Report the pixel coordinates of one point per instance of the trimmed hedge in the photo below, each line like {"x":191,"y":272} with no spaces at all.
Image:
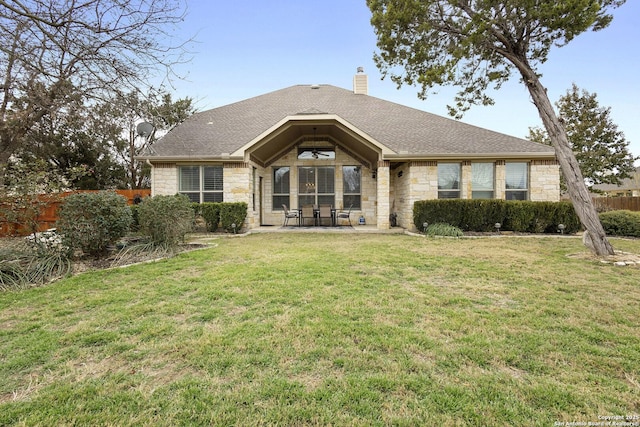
{"x":233,"y":213}
{"x":621,"y":223}
{"x":222,"y":214}
{"x":482,"y":215}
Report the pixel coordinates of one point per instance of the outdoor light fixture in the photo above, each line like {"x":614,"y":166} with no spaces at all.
{"x":497,"y":226}
{"x":234,"y":227}
{"x":561,"y":228}
{"x":424,"y":226}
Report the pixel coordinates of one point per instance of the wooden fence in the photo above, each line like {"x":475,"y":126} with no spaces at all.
{"x":48,"y":215}
{"x":617,"y":203}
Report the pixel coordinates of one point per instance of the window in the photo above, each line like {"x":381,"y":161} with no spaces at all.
{"x":448,"y":180}
{"x":351,"y":187}
{"x":317,"y":153}
{"x":316,"y":186}
{"x":201,"y":183}
{"x":482,"y":180}
{"x":516,"y":181}
{"x":281,"y":185}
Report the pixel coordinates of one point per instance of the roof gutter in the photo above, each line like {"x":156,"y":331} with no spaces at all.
{"x":469,"y":156}
{"x":222,"y":158}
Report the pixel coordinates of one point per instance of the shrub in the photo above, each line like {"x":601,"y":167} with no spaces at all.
{"x":90,"y":222}
{"x":621,"y":223}
{"x":441,"y":229}
{"x":211,"y":214}
{"x":482,"y":215}
{"x":166,"y":219}
{"x":223,"y":213}
{"x":519,"y":216}
{"x":233,"y":213}
{"x":135,"y":218}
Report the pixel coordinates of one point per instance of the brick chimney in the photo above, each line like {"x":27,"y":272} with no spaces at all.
{"x":360,"y":84}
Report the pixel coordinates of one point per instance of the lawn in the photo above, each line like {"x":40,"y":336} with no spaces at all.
{"x":331,"y":329}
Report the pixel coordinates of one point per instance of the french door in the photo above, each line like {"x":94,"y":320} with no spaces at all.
{"x":316,"y":185}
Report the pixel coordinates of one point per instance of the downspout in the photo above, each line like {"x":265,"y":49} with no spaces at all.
{"x":151,"y":166}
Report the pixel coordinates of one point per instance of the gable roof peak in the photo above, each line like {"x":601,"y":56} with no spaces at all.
{"x":310,"y":111}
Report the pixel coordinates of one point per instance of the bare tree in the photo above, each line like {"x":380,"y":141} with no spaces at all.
{"x":51,"y":50}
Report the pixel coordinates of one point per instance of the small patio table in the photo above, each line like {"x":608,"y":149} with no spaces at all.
{"x":316,"y":216}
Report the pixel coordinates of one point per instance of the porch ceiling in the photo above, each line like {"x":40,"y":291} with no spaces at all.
{"x":293,"y":133}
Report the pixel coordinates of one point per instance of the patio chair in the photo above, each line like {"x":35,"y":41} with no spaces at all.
{"x":307,"y":212}
{"x":344,"y":215}
{"x":288,"y":215}
{"x":324,"y":212}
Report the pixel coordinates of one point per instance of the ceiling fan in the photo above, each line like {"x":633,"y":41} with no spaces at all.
{"x":314,"y":151}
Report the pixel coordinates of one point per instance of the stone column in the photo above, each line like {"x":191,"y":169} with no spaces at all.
{"x":383,"y":181}
{"x":465,"y":180}
{"x":500,"y":180}
{"x":544,"y":180}
{"x":237,"y":187}
{"x":164,"y":179}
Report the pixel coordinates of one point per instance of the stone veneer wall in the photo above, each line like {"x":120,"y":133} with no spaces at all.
{"x":164,"y":179}
{"x":237,"y":187}
{"x":419,"y":181}
{"x":274,"y":215}
{"x":383,"y":192}
{"x":500,"y":179}
{"x":544,"y":180}
{"x":236,"y":179}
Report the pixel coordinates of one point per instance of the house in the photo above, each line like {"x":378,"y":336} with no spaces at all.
{"x":321,"y":144}
{"x":628,"y":187}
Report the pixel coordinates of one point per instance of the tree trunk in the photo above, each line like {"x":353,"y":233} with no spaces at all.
{"x":595,"y":237}
{"x":132,"y":160}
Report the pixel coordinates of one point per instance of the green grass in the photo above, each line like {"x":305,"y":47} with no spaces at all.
{"x":322,"y":329}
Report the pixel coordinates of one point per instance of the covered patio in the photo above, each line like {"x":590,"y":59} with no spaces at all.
{"x":317,"y":160}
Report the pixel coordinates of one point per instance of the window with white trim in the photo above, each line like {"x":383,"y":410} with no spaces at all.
{"x":516,"y":181}
{"x":316,"y":186}
{"x":201,"y":183}
{"x":482,"y":180}
{"x":351,"y":187}
{"x":448,"y":180}
{"x":281,"y":187}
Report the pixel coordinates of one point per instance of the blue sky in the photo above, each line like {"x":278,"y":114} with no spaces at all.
{"x":246,"y":48}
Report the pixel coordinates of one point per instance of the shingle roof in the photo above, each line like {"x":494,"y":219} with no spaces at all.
{"x":632,"y":183}
{"x":403,"y":129}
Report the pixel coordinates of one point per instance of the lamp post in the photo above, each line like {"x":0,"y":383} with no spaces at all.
{"x":424,"y":226}
{"x":497,"y":226}
{"x":561,"y":228}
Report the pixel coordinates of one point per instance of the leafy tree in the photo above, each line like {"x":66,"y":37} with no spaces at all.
{"x":53,"y":50}
{"x":101,"y":139}
{"x":125,"y":111}
{"x":76,"y":138}
{"x":474,"y":44}
{"x":600,"y":148}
